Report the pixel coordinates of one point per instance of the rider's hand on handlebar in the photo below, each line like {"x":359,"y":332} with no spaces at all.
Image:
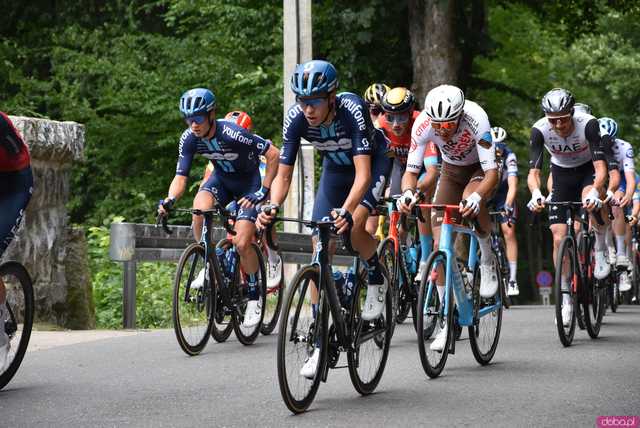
{"x":165,"y":205}
{"x":252,"y":199}
{"x":343,"y":220}
{"x":470,"y":207}
{"x":266,"y":215}
{"x":536,"y":204}
{"x":624,"y":201}
{"x":407,"y":201}
{"x":592,"y":200}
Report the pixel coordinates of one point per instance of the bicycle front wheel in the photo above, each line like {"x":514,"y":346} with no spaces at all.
{"x":434,"y":329}
{"x":566,"y":284}
{"x":222,"y":317}
{"x":371,"y":340}
{"x":484,"y":334}
{"x":273,"y":304}
{"x":302,"y":331}
{"x":192,"y":305}
{"x":593,"y":292}
{"x":19,"y":317}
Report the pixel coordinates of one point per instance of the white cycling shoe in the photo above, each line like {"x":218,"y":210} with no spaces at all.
{"x":311,"y":365}
{"x":421,"y":269}
{"x":622,"y":260}
{"x":198,"y":283}
{"x":624,"y":284}
{"x":274,"y":276}
{"x":440,"y":340}
{"x":512,"y":289}
{"x":488,"y":280}
{"x":602,"y":268}
{"x":567,"y":313}
{"x":374,"y":303}
{"x":252,"y":313}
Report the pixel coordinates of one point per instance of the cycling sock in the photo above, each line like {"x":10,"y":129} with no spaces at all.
{"x":566,"y":299}
{"x":373,"y":267}
{"x":601,"y":241}
{"x":564,"y":284}
{"x":609,"y":238}
{"x":440,"y":292}
{"x":485,"y":249}
{"x":272,"y":255}
{"x":621,"y":249}
{"x":426,"y":242}
{"x":252,"y":283}
{"x":513,"y":270}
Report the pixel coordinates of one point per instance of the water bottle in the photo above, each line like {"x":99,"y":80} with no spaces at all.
{"x":413,"y":260}
{"x":349,"y":283}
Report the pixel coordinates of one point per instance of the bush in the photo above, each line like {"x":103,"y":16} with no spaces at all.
{"x":153,"y":291}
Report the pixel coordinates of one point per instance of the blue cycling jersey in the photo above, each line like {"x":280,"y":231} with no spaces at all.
{"x":350,"y":134}
{"x":232,"y":149}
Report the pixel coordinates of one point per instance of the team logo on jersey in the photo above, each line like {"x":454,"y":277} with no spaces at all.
{"x":630,"y":153}
{"x":221,"y":156}
{"x":365,"y":143}
{"x":423,"y":125}
{"x":413,"y":146}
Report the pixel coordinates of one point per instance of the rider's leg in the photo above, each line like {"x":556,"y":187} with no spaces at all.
{"x":509,"y":234}
{"x":372,"y":225}
{"x":602,"y":267}
{"x":559,"y":231}
{"x":204,"y":200}
{"x":619,"y":229}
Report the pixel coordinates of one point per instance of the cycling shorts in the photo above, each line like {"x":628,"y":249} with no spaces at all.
{"x":453,"y":180}
{"x":230,"y":187}
{"x":568,"y":184}
{"x":336,"y":182}
{"x":15,"y":193}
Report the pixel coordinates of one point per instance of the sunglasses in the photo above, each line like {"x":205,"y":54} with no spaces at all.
{"x":397,"y":118}
{"x":444,"y":125}
{"x":313,"y":102}
{"x":199,"y":119}
{"x":559,"y":120}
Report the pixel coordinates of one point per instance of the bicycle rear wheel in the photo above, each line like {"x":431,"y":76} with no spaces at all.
{"x":566,"y":261}
{"x":222,"y":317}
{"x":273,"y":304}
{"x":371,"y":341}
{"x":484,"y":334}
{"x":19,"y":319}
{"x":302,"y":330}
{"x":192,"y":307}
{"x":431,"y":317}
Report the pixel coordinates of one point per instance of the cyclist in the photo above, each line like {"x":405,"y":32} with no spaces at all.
{"x":504,"y":200}
{"x":354,"y":169}
{"x":579,"y":171}
{"x":373,"y":97}
{"x":396,"y":120}
{"x":15,"y":193}
{"x":469,"y":173}
{"x":623,"y":197}
{"x":235,"y":153}
{"x":274,"y":271}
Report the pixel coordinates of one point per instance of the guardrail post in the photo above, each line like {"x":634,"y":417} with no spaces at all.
{"x":129,"y":295}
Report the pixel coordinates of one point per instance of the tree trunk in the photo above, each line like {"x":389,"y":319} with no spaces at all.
{"x":434,"y":48}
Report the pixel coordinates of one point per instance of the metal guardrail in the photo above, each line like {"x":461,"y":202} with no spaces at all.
{"x":133,"y":242}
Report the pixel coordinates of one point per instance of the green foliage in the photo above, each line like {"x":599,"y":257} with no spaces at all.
{"x":153,"y":289}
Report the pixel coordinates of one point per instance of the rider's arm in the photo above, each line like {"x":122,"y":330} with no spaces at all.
{"x":429,"y":179}
{"x":281,"y":184}
{"x":536,"y":145}
{"x":272,"y":156}
{"x":487,"y":156}
{"x":177,"y":187}
{"x":512,"y":178}
{"x":292,"y":129}
{"x":186,"y":152}
{"x":601,"y":154}
{"x":420,"y":132}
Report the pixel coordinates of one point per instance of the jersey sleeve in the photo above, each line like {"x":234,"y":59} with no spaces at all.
{"x":186,"y":151}
{"x":627,"y":159}
{"x":512,"y":165}
{"x":292,"y":130}
{"x":358,"y":122}
{"x":420,"y":133}
{"x":536,"y":144}
{"x":486,"y":147}
{"x":601,"y":146}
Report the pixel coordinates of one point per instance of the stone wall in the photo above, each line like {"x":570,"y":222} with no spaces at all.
{"x":54,"y":254}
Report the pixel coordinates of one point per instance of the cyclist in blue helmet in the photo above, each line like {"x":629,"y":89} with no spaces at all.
{"x":355,"y":168}
{"x":235,"y":153}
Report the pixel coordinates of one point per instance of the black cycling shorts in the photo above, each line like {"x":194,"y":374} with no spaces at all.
{"x":568,"y":184}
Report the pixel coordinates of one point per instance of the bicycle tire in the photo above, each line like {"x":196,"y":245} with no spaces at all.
{"x":566,"y":246}
{"x":388,"y":258}
{"x":14,"y":303}
{"x":295,"y":300}
{"x":592,"y":293}
{"x":428,"y":293}
{"x":377,"y":344}
{"x":274,"y":299}
{"x":503,"y":268}
{"x":248,"y":335}
{"x":222,"y":319}
{"x":475,"y":331}
{"x":188,"y":309}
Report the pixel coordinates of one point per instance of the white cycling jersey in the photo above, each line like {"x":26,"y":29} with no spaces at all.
{"x":470,"y":144}
{"x":569,"y":152}
{"x":623,"y":152}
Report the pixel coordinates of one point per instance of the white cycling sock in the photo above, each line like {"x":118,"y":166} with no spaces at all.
{"x":601,"y":241}
{"x":621,"y":249}
{"x":485,"y":249}
{"x":513,"y":270}
{"x":272,"y":255}
{"x":441,"y":293}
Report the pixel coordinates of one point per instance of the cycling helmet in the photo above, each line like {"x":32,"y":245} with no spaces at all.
{"x":375,"y":92}
{"x":583,"y":108}
{"x":608,"y":126}
{"x":196,"y":102}
{"x":444,"y":103}
{"x":498,"y":134}
{"x":398,"y":100}
{"x":315,"y":77}
{"x":240,"y":118}
{"x":557,"y":101}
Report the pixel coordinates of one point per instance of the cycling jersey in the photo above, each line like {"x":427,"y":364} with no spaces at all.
{"x":623,"y":153}
{"x":582,"y":146}
{"x":15,"y":192}
{"x":398,"y":144}
{"x":431,"y":155}
{"x":233,"y":149}
{"x":14,"y":154}
{"x":471,"y":144}
{"x":350,"y":134}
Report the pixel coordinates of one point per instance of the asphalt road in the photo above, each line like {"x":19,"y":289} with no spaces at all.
{"x":144,"y":379}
